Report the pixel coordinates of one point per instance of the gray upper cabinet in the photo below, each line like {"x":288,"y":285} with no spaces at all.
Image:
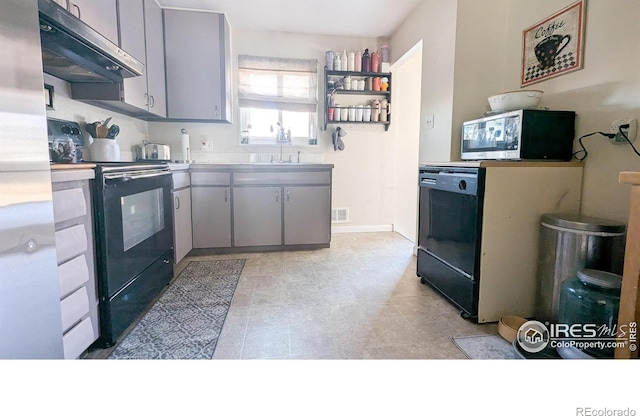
{"x":141,"y":35}
{"x":132,"y":33}
{"x":154,"y":36}
{"x":198,"y":62}
{"x":101,"y":15}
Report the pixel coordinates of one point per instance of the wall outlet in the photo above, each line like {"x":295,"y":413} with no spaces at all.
{"x":205,"y":144}
{"x":630,"y":132}
{"x":429,"y":121}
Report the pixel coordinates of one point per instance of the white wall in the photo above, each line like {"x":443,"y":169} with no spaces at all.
{"x":360,"y":170}
{"x":434,"y":22}
{"x":606,"y":89}
{"x":481,"y":56}
{"x":407,"y":74}
{"x":132,"y":131}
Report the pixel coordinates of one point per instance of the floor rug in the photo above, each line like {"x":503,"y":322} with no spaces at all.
{"x":485,"y":347}
{"x":186,"y":321}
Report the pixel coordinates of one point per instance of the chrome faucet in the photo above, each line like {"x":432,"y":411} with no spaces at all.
{"x":282,"y":137}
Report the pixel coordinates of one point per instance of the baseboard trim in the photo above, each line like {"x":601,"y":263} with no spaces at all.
{"x":361,"y":229}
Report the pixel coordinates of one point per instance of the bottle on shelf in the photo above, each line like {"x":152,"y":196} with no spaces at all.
{"x":337,"y":63}
{"x":358,"y":62}
{"x":384,"y":109}
{"x":375,"y":61}
{"x":351,"y":61}
{"x":330,"y":58}
{"x":366,"y":61}
{"x":384,"y":53}
{"x":344,"y":60}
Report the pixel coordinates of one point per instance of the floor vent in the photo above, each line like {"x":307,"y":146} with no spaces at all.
{"x":339,"y":215}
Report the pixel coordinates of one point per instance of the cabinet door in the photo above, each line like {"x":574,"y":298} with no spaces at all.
{"x":194,"y":64}
{"x":131,"y":15}
{"x":155,"y":58}
{"x":211,"y":213}
{"x":257,"y":216}
{"x":307,"y":215}
{"x":101,"y":15}
{"x":182,"y":235}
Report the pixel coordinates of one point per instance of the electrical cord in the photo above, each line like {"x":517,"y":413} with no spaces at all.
{"x":584,"y":149}
{"x":627,"y":138}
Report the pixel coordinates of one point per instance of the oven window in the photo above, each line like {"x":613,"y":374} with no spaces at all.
{"x":142,"y":216}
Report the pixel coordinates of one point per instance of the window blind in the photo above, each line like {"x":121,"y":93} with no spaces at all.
{"x":285,"y":84}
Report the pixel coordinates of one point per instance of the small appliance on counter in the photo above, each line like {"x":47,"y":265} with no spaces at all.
{"x":152,"y":151}
{"x":528,"y":134}
{"x":65,"y":141}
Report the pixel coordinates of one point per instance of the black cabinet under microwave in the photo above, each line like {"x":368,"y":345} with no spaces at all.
{"x":520,"y":135}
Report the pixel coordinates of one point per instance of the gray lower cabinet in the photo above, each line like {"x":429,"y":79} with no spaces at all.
{"x":307,"y":215}
{"x":257,"y":216}
{"x":211,"y":213}
{"x":245,"y":206}
{"x":182,"y":230}
{"x":182,"y":223}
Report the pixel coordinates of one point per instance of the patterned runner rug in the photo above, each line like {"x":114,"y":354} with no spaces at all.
{"x":485,"y":347}
{"x":186,"y":321}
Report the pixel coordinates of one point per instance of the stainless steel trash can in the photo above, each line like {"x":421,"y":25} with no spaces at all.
{"x":569,"y":243}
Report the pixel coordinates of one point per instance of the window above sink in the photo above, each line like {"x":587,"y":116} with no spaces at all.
{"x":278,"y":101}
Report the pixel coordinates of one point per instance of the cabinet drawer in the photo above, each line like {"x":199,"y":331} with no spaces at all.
{"x":78,"y":339}
{"x":282,"y":178}
{"x":210,"y":178}
{"x":72,"y":275}
{"x":74,"y":307}
{"x":68,"y":204}
{"x":70,"y":242}
{"x":180,"y":180}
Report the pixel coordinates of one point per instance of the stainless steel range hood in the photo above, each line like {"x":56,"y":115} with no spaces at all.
{"x":73,"y":51}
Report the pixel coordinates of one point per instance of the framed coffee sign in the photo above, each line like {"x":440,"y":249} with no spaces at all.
{"x":554,"y":46}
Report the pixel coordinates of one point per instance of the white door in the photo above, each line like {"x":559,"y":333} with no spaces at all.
{"x":407,"y":78}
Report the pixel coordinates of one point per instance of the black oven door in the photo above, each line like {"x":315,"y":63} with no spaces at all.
{"x":450,"y":218}
{"x":137,"y":224}
{"x":450,"y":223}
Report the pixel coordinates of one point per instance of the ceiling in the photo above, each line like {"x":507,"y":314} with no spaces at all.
{"x":363,"y":18}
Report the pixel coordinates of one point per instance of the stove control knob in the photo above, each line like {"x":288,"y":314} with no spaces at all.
{"x":462,"y":184}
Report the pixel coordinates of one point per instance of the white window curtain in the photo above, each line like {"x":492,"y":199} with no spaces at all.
{"x":284,"y":84}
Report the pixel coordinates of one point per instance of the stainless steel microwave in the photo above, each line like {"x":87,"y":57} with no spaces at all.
{"x":520,"y":135}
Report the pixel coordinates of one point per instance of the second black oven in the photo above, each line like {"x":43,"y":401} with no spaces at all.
{"x":449,"y":236}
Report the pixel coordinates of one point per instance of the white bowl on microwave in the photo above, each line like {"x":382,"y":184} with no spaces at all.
{"x":515,"y":100}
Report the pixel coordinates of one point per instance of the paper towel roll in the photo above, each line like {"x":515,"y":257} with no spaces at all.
{"x":186,"y":147}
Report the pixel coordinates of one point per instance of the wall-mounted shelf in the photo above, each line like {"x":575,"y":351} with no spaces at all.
{"x":337,"y":75}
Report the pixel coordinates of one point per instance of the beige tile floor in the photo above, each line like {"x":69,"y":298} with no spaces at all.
{"x":359,"y":299}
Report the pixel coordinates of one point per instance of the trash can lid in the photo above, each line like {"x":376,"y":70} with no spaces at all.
{"x":600,"y":278}
{"x":583,"y":223}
